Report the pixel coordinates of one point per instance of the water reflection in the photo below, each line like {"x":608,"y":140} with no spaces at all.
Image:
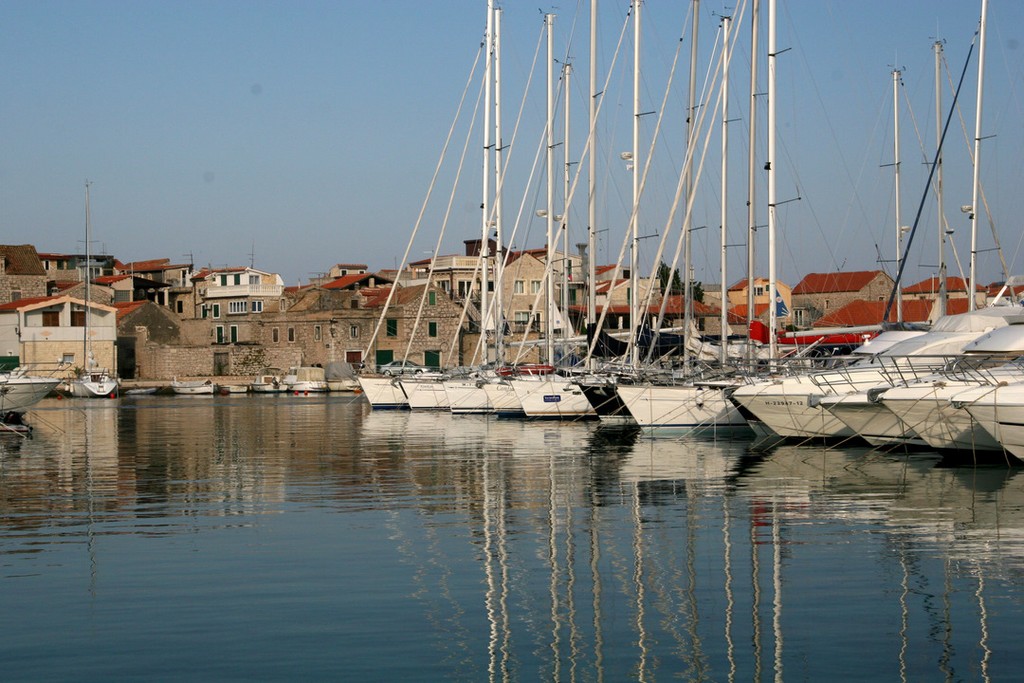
{"x":474,"y":547}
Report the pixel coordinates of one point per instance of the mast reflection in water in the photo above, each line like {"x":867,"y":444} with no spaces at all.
{"x":279,"y":537}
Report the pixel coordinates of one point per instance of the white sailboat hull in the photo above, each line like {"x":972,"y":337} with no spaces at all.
{"x":467,"y":396}
{"x":383,"y":393}
{"x":681,"y":408}
{"x":425,"y":393}
{"x":554,"y":398}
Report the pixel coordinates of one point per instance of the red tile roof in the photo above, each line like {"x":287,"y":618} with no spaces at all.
{"x":110,"y":279}
{"x":861,"y":312}
{"x":349,"y":281}
{"x":27,"y":301}
{"x":931,"y":286}
{"x":143,"y":266}
{"x":822,"y":283}
{"x":21,"y":259}
{"x":125,"y":308}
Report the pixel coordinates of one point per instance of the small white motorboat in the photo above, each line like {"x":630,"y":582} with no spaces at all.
{"x":267,"y":382}
{"x":193,"y":387}
{"x":306,"y":380}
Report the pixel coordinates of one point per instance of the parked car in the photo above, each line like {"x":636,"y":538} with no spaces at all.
{"x":401,"y":367}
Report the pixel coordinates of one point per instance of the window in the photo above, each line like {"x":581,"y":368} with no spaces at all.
{"x":15,"y":294}
{"x":223,"y":280}
{"x":67,"y":359}
{"x":291,"y":334}
{"x":257,"y":306}
{"x":205,"y":311}
{"x":317,"y":333}
{"x":282,"y":305}
{"x":179,"y":306}
{"x":254,"y":279}
{"x":826,"y":304}
{"x":522,"y":317}
{"x":799,"y":316}
{"x":534,"y":286}
{"x":78,"y":318}
{"x":392,"y":327}
{"x":121,"y":296}
{"x":759,"y":290}
{"x":353,"y":331}
{"x":275,"y":335}
{"x":236,"y":307}
{"x":238,"y":278}
{"x":432,"y":298}
{"x":432,"y":329}
{"x":52,"y":319}
{"x":353,"y":303}
{"x":519,"y":287}
{"x":220,"y":334}
{"x":234,"y":334}
{"x":215,"y":311}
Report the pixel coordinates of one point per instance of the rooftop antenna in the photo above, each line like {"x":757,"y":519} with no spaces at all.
{"x":252,"y":254}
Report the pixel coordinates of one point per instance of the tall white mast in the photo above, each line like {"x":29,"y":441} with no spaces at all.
{"x":592,"y":176}
{"x":688,"y":221}
{"x":549,"y":21}
{"x":773,"y":317}
{"x":943,"y":294}
{"x":567,"y":176}
{"x":755,"y":19}
{"x":972,"y":285}
{"x":499,"y":260}
{"x":485,"y":227}
{"x":88,"y":281}
{"x":726,"y":22}
{"x":634,"y":256}
{"x":896,"y":180}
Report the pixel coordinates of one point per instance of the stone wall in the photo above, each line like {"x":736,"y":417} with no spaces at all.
{"x":164,"y":362}
{"x":27,"y":285}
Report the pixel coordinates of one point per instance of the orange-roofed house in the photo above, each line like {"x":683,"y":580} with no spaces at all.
{"x":50,"y":330}
{"x":819,"y":295}
{"x":737,"y":294}
{"x":956,"y":288}
{"x":859,"y":313}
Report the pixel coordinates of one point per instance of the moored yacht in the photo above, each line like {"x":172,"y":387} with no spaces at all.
{"x":927,"y":408}
{"x":792,"y":406}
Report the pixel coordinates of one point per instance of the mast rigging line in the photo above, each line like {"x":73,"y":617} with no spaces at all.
{"x":981,"y":185}
{"x":426,"y":199}
{"x":713,"y":72}
{"x":927,"y":189}
{"x":679,"y":189}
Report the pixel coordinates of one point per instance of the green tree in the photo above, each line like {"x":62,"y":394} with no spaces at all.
{"x":697,"y":291}
{"x":664,"y":274}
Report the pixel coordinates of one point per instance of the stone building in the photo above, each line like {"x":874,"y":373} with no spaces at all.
{"x":175,"y":279}
{"x":819,"y":294}
{"x":21,"y":273}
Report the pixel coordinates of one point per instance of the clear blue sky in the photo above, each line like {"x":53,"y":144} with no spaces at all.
{"x":307,"y":132}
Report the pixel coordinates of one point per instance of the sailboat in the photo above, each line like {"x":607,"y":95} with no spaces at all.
{"x":93,"y":381}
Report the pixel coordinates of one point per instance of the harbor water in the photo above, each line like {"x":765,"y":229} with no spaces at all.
{"x":308,"y":537}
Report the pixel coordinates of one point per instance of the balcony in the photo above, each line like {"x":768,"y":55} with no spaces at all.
{"x":239,"y":291}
